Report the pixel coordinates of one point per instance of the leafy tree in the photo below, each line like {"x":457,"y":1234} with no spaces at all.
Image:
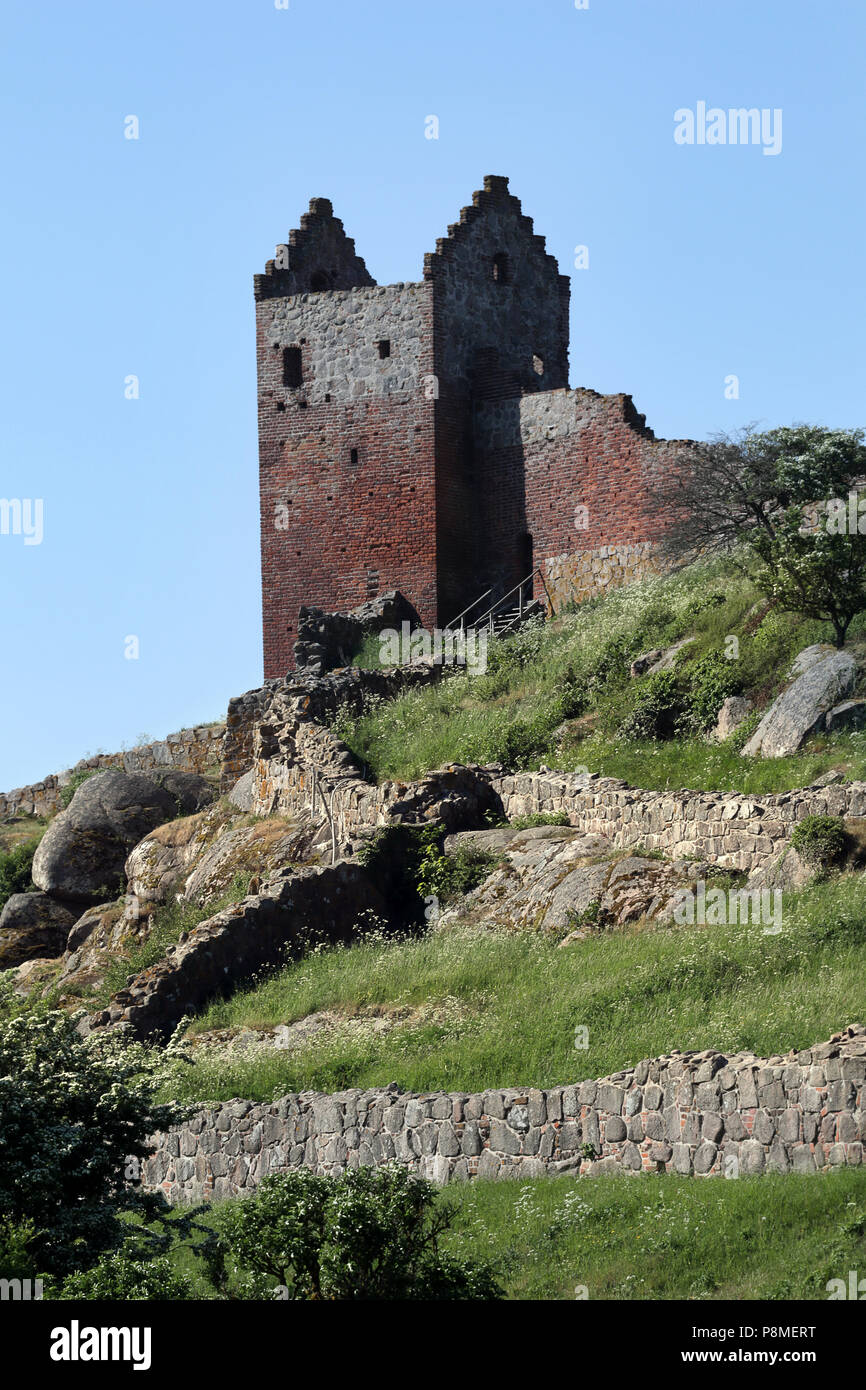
{"x":773,"y":494}
{"x":16,"y":1241}
{"x":75,"y":1116}
{"x":369,"y":1234}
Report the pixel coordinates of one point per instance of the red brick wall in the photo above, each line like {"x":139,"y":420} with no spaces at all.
{"x":602,"y":457}
{"x":354,"y":529}
{"x":491,"y":335}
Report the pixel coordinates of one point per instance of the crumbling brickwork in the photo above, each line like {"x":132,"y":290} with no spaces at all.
{"x":423,"y":437}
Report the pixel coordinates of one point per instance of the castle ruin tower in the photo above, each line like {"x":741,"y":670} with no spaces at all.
{"x":423,"y":437}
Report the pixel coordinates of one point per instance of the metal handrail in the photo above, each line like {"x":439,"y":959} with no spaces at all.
{"x":488,"y":616}
{"x":461,"y":616}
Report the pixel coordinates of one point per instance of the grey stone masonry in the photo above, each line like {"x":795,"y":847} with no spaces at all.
{"x":734,"y":830}
{"x":255,"y":719}
{"x":700,"y":1113}
{"x":190,"y":750}
{"x":280,"y":733}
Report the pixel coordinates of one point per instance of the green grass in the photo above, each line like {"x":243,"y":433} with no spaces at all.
{"x":577,"y":668}
{"x":778,"y":1236}
{"x":22,"y":830}
{"x":502,"y":1009}
{"x":772,"y":1237}
{"x":699,"y":766}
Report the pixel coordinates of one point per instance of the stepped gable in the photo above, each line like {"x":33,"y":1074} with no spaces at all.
{"x":494,"y":195}
{"x":318,"y":256}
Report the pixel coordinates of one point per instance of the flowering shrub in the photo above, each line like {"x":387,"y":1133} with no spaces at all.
{"x":120,"y":1276}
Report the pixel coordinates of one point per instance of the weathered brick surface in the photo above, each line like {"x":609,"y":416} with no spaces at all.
{"x":701,"y":1113}
{"x":347,"y":486}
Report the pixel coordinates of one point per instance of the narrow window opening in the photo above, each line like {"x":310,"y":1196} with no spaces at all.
{"x":353,"y":456}
{"x":500,"y":268}
{"x":293,"y":374}
{"x":384,"y":347}
{"x":537,"y":364}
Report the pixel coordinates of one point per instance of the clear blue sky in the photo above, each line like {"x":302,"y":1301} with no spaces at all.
{"x":125,"y":257}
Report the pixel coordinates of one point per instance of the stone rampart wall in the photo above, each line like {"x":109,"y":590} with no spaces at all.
{"x":704,"y":1113}
{"x":735,"y":831}
{"x":191,"y":750}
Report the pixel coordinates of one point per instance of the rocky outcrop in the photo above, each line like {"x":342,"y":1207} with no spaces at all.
{"x":734,"y":710}
{"x":198,"y":857}
{"x":659,"y":659}
{"x":33,"y":926}
{"x":100,"y":937}
{"x":258,"y":849}
{"x":554,"y":879}
{"x":158,"y":865}
{"x":293,"y":909}
{"x":823,"y":677}
{"x":707,"y":1114}
{"x":82,"y":854}
{"x":844,"y":718}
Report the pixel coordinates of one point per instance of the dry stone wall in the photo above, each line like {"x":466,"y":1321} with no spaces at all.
{"x":300,"y":768}
{"x":732,"y":830}
{"x":701,"y":1113}
{"x":584,"y":574}
{"x":191,"y":750}
{"x":736,"y":831}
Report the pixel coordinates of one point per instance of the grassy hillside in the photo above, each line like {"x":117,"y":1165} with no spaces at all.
{"x":467,"y":1010}
{"x":575,"y":671}
{"x":772,"y":1237}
